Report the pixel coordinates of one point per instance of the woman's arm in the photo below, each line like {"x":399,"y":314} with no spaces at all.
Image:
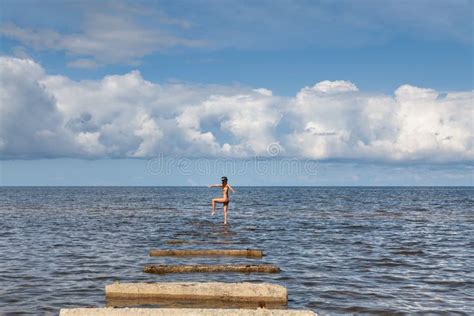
{"x":232,"y":189}
{"x":214,"y":185}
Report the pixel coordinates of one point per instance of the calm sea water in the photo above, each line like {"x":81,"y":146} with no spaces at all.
{"x":341,"y":250}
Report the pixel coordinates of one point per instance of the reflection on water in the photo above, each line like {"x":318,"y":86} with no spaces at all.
{"x":162,"y":303}
{"x":341,"y":250}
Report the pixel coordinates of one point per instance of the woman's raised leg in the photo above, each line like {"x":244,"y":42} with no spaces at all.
{"x":214,"y":201}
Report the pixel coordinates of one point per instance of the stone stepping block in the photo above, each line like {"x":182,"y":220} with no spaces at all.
{"x":212,"y":291}
{"x":249,"y":253}
{"x":241,"y":268}
{"x":180,"y":312}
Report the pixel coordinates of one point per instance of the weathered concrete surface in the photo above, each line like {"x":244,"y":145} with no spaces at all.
{"x":251,"y":253}
{"x":242,"y":268}
{"x":217,"y":291}
{"x":180,"y":312}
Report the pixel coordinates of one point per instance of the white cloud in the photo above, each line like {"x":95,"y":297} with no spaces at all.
{"x":250,"y":118}
{"x":30,"y":122}
{"x":128,"y":116}
{"x":337,"y":86}
{"x":415,"y":124}
{"x":103,"y":39}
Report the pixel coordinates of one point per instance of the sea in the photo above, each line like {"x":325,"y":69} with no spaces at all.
{"x":341,"y":250}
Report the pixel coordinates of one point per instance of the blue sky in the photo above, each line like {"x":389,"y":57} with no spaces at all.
{"x":375,"y":92}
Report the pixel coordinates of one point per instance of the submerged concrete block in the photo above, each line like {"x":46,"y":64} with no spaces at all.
{"x":251,"y":253}
{"x":242,"y":268}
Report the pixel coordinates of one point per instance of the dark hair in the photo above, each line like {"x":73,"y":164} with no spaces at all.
{"x":224,"y":179}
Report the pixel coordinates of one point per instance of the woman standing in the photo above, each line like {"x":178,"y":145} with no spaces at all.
{"x":224,"y":199}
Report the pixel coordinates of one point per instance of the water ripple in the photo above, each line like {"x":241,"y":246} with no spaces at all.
{"x":341,"y":250}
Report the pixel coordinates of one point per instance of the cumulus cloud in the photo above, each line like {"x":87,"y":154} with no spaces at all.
{"x":330,"y":87}
{"x":413,"y":125}
{"x":127,"y":116}
{"x":30,"y":122}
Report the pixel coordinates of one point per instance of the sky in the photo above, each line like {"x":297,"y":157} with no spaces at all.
{"x":265,"y":92}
